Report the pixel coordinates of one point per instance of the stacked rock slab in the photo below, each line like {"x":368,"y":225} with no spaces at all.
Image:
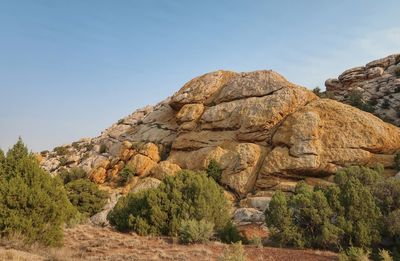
{"x":265,"y":133}
{"x":378,"y":82}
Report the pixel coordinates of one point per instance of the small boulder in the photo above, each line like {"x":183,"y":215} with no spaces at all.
{"x":243,"y":216}
{"x":142,"y":164}
{"x":151,"y":150}
{"x":100,"y":219}
{"x":145,"y":184}
{"x":163,"y":169}
{"x":98,"y":175}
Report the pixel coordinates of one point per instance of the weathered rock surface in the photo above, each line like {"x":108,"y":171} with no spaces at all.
{"x":163,"y":169}
{"x":145,"y":184}
{"x":243,"y":216}
{"x":100,"y":219}
{"x":265,"y":133}
{"x":377,"y":83}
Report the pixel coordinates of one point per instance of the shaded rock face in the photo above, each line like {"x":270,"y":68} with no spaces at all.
{"x":378,"y":84}
{"x":265,"y":132}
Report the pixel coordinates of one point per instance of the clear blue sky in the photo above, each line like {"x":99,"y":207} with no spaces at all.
{"x":69,"y":69}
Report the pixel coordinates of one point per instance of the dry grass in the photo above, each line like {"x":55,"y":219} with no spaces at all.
{"x":85,"y":242}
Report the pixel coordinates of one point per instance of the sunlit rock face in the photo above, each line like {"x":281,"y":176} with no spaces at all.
{"x":265,"y":133}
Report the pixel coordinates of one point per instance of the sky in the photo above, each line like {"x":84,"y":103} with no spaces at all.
{"x":71,"y":68}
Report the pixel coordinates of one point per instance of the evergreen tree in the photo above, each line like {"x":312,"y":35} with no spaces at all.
{"x":32,"y":203}
{"x":160,"y":211}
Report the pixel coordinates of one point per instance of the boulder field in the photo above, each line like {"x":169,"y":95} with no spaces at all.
{"x":265,"y":132}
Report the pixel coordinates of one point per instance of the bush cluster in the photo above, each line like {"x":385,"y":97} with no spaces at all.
{"x":82,"y":193}
{"x":61,"y":151}
{"x":161,"y":211}
{"x":32,"y":203}
{"x":195,"y":231}
{"x":361,"y":210}
{"x":126,"y":174}
{"x":214,"y":170}
{"x":230,"y":234}
{"x":355,"y":100}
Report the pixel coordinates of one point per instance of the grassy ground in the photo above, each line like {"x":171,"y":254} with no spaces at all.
{"x":86,"y":242}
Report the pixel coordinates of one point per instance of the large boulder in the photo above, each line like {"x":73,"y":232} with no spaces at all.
{"x":265,"y":133}
{"x":142,"y":164}
{"x":145,"y":184}
{"x":201,"y":89}
{"x":324,"y":136}
{"x":164,"y":169}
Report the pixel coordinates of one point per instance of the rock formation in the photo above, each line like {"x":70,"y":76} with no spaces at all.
{"x":377,"y":84}
{"x":265,"y":133}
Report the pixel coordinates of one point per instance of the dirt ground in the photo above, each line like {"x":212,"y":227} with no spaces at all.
{"x":86,"y":242}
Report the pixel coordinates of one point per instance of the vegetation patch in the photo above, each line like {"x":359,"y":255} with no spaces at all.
{"x":126,"y":175}
{"x":86,"y":196}
{"x":214,"y":170}
{"x":361,"y":210}
{"x":195,"y":231}
{"x":61,"y":151}
{"x":161,"y":211}
{"x":32,"y":203}
{"x":355,"y":100}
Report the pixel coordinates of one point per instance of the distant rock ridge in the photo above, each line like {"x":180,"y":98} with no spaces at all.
{"x":265,"y":133}
{"x":377,"y":83}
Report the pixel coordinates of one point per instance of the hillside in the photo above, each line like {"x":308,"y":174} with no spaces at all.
{"x":264,"y":132}
{"x":375,"y":85}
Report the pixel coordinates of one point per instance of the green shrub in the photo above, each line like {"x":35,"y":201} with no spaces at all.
{"x":126,"y":174}
{"x":194,"y":231}
{"x":317,"y":91}
{"x":397,"y":161}
{"x":387,"y":196}
{"x":89,"y":147}
{"x":358,"y":214}
{"x":63,"y":161}
{"x":86,"y":196}
{"x":76,"y":145}
{"x":384,"y":255}
{"x":229,"y":234}
{"x":385,"y":104}
{"x":32,"y":203}
{"x":279,"y":219}
{"x":188,"y":195}
{"x":355,"y":99}
{"x":2,"y":162}
{"x":256,"y":241}
{"x":214,"y":170}
{"x":61,"y":151}
{"x":342,"y":215}
{"x":354,"y":254}
{"x":234,"y":253}
{"x":73,"y":174}
{"x":103,"y":149}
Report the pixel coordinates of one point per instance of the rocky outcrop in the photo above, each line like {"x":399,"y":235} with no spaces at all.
{"x":377,"y":85}
{"x":265,"y":133}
